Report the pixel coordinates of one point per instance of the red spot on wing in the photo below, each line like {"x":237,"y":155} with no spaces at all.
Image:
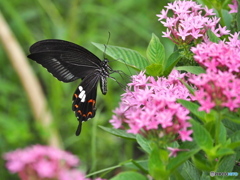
{"x":86,"y":110}
{"x":92,"y":101}
{"x":80,"y":112}
{"x":89,"y":114}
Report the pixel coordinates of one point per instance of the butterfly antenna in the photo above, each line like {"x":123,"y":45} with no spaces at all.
{"x":120,"y":84}
{"x":105,"y":45}
{"x":127,"y":67}
{"x":79,"y":128}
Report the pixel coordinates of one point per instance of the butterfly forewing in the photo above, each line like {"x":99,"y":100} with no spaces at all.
{"x":51,"y":45}
{"x":65,"y":60}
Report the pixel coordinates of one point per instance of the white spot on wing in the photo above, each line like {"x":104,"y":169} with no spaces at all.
{"x":80,"y":88}
{"x":83,"y":98}
{"x":82,"y":94}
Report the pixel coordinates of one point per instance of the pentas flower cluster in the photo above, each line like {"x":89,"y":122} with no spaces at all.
{"x":220,"y":86}
{"x":189,"y":21}
{"x":151,"y":107}
{"x":222,"y":56}
{"x":43,"y":162}
{"x":217,"y":90}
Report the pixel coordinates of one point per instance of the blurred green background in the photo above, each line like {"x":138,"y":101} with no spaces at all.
{"x":130,"y":23}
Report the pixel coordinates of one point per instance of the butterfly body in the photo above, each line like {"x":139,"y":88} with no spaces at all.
{"x":68,"y":62}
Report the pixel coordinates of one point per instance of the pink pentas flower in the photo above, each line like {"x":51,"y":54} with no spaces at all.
{"x":43,"y":162}
{"x":189,"y":21}
{"x":233,"y":6}
{"x":149,"y":104}
{"x":234,"y":40}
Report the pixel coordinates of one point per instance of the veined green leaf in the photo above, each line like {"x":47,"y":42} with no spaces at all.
{"x":157,"y":163}
{"x":202,"y":136}
{"x":144,"y":143}
{"x":213,"y":37}
{"x":227,"y":164}
{"x":180,"y":159}
{"x":124,"y":55}
{"x":193,"y":108}
{"x":154,"y":70}
{"x":119,"y":133}
{"x":171,"y":62}
{"x":156,"y":51}
{"x":192,"y":69}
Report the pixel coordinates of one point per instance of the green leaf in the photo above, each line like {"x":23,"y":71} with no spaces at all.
{"x":154,"y":70}
{"x":190,"y":88}
{"x":235,"y":137}
{"x":231,"y":125}
{"x":157,"y":163}
{"x":201,"y":162}
{"x":189,"y":171}
{"x":180,"y":159}
{"x":202,"y":136}
{"x":155,"y":51}
{"x":234,"y":145}
{"x":222,"y":134}
{"x":129,"y":175}
{"x":144,"y":143}
{"x":213,"y":37}
{"x":193,"y":108}
{"x":232,"y":117}
{"x":224,"y":152}
{"x":209,"y":4}
{"x":192,"y":69}
{"x":119,"y":133}
{"x":125,"y":55}
{"x":227,"y":164}
{"x":141,"y":165}
{"x":171,"y":62}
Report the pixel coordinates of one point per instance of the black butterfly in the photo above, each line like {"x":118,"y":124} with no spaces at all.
{"x":67,"y":62}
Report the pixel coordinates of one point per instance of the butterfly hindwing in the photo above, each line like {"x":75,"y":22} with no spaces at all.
{"x":84,"y":99}
{"x":84,"y":110}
